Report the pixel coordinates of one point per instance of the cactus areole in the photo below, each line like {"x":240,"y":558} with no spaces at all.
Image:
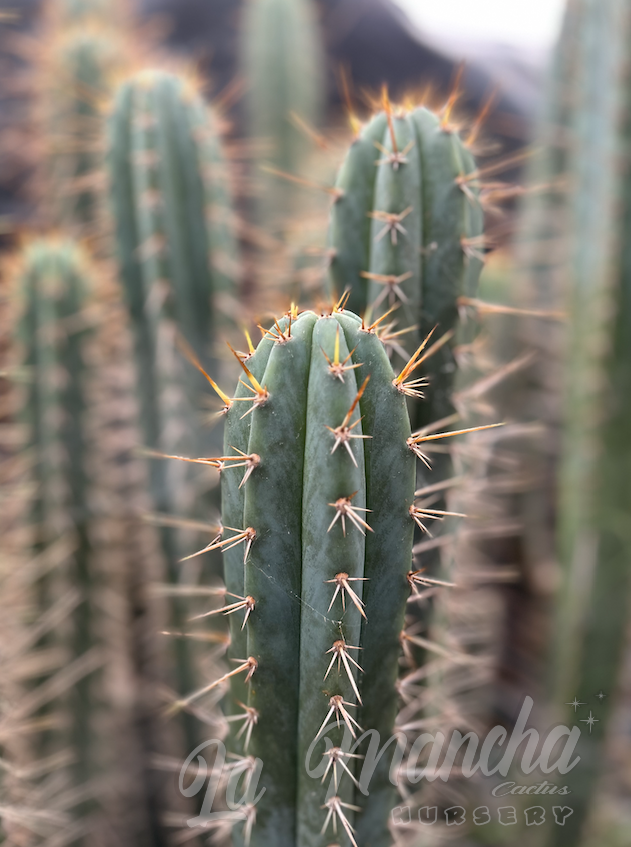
{"x":317,"y":547}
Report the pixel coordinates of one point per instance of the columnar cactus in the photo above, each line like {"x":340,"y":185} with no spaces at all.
{"x":79,"y":76}
{"x":55,"y":284}
{"x":594,"y":484}
{"x":574,"y":257}
{"x":406,"y":230}
{"x":282,"y":62}
{"x":173,"y":216}
{"x":318,"y":546}
{"x":176,"y":250}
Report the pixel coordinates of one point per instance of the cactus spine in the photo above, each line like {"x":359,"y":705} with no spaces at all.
{"x":82,"y":76}
{"x":317,"y":508}
{"x":404,"y":229}
{"x":282,"y":61}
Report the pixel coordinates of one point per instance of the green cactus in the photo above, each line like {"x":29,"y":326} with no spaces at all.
{"x":326,"y":497}
{"x":406,"y":230}
{"x":55,"y":286}
{"x":79,"y":77}
{"x":283,"y":64}
{"x":174,"y":229}
{"x":593,"y":532}
{"x":573,"y":258}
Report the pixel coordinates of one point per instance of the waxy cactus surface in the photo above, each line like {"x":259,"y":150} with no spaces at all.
{"x":317,"y":536}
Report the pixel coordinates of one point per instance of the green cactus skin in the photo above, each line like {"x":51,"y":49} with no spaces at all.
{"x":418,"y":181}
{"x":80,"y":76}
{"x":295,"y":551}
{"x":282,"y":61}
{"x":55,"y":285}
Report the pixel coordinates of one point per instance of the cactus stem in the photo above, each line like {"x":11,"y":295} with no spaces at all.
{"x":393,"y":224}
{"x":344,"y":510}
{"x":337,"y":706}
{"x":335,"y":808}
{"x":340,"y":652}
{"x":336,"y":757}
{"x":250,"y":717}
{"x":341,"y":581}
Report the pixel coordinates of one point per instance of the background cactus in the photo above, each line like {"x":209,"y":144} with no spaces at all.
{"x":594,"y":489}
{"x":406,"y":230}
{"x":55,"y":287}
{"x":283,"y":65}
{"x":174,"y":229}
{"x":79,"y":82}
{"x":324,"y":519}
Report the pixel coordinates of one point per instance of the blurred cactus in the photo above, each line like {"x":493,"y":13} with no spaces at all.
{"x":283,"y":65}
{"x":82,"y":72}
{"x":55,"y":285}
{"x":86,"y":50}
{"x":594,"y":495}
{"x":573,"y":259}
{"x":175,"y":235}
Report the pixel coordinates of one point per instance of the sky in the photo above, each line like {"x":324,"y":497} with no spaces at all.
{"x":523,"y":23}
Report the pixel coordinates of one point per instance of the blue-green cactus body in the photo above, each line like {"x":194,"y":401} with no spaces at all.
{"x":304,"y":535}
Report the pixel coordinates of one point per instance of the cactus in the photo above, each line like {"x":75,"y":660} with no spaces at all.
{"x":594,"y":496}
{"x":176,"y":251}
{"x":79,"y":78}
{"x":283,"y":63}
{"x":55,"y":285}
{"x":406,"y":229}
{"x":323,"y":513}
{"x":573,"y":256}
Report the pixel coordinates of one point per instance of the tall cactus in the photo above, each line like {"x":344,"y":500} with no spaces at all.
{"x":594,"y":541}
{"x":319,"y":550}
{"x":573,"y":256}
{"x":174,"y":229}
{"x":283,"y":64}
{"x":80,"y":72}
{"x":406,"y":229}
{"x":55,"y":285}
